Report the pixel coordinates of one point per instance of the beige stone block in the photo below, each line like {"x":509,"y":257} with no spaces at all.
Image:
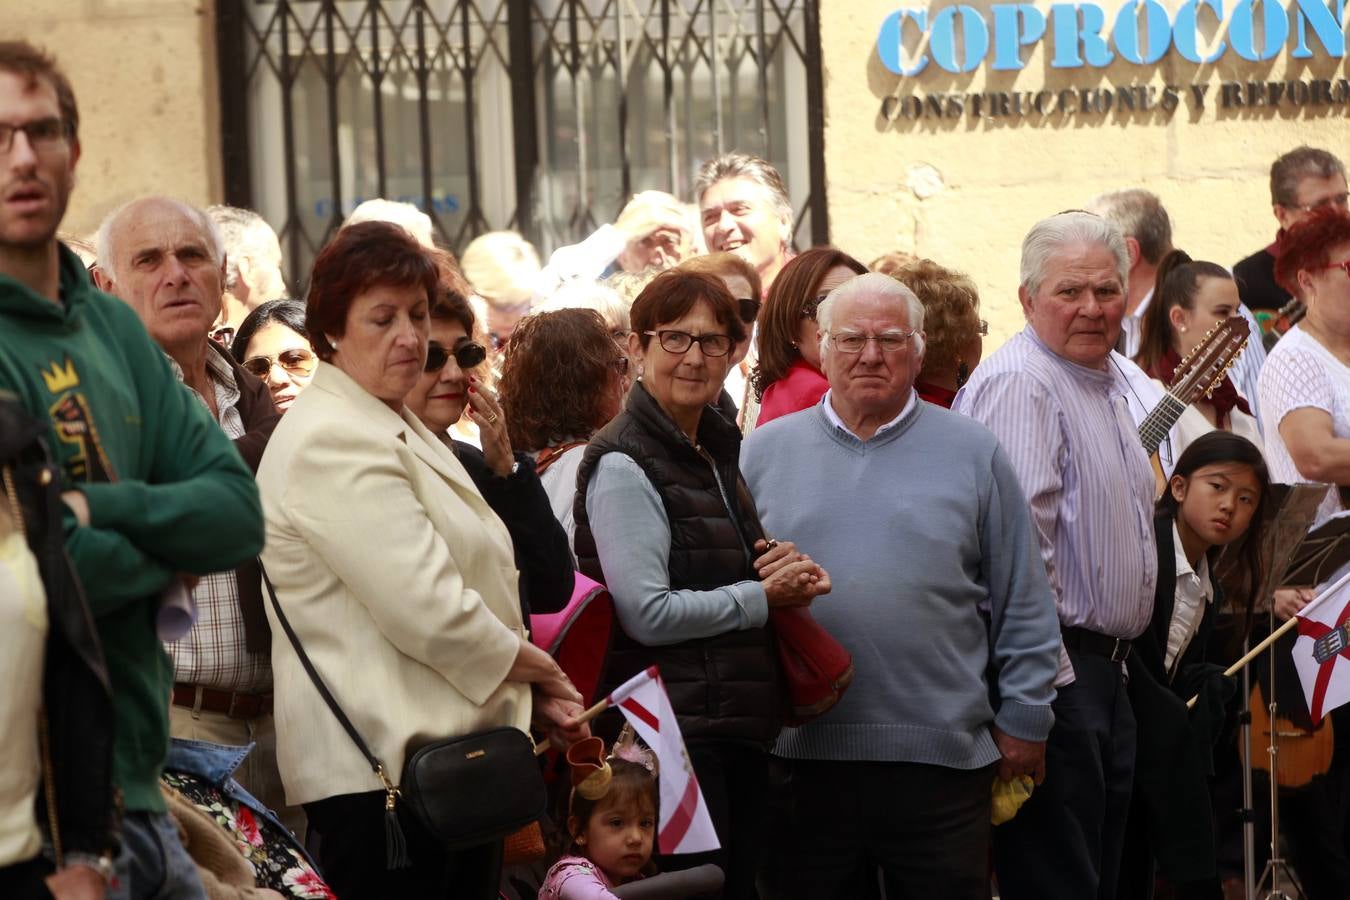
{"x":144,"y":74}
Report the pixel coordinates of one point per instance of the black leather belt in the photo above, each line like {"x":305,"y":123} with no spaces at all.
{"x":1113,"y":648}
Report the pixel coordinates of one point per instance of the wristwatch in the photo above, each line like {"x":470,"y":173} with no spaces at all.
{"x":100,"y":863}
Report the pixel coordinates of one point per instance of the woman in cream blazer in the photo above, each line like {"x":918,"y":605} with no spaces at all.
{"x":395,"y":574}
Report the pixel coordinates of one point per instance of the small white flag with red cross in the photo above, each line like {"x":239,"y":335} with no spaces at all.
{"x":1322,"y":651}
{"x":685,"y":825}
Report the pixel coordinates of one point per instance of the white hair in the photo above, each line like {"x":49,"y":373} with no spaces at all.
{"x":405,"y":215}
{"x":502,"y":267}
{"x":105,"y":239}
{"x":245,"y":233}
{"x":578,"y":294}
{"x":871,"y":284}
{"x":1050,"y":236}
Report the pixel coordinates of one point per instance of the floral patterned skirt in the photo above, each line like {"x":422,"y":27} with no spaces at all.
{"x":276,"y":859}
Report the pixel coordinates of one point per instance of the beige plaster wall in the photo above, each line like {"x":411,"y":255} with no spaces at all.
{"x":144,"y":73}
{"x":965,"y":190}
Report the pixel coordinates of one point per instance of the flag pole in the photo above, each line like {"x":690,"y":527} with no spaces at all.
{"x":543,"y":746}
{"x":1274,"y":635}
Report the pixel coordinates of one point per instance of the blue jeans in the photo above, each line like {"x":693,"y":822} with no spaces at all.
{"x":153,"y":864}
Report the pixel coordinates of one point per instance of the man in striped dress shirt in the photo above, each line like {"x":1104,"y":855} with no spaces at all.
{"x":1058,"y":408}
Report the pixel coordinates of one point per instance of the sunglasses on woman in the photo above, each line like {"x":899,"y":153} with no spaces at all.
{"x":467,"y":355}
{"x":297,"y":362}
{"x":748,"y":307}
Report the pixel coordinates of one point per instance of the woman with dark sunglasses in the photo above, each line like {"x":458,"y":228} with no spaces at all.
{"x":452,"y":385}
{"x":273,"y":344}
{"x":787,"y":377}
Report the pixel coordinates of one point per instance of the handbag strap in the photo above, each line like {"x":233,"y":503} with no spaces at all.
{"x":376,"y":766}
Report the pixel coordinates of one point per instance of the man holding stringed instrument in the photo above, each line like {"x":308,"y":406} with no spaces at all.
{"x":1058,"y":408}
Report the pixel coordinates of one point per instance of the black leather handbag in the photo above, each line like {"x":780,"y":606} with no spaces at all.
{"x":464,"y":791}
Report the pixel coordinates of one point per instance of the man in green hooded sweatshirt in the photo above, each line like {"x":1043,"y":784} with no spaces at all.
{"x":154,"y":493}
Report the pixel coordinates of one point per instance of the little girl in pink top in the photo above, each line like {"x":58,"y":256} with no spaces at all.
{"x":611,"y":822}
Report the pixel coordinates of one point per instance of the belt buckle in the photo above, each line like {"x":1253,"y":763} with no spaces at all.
{"x":1121,"y":651}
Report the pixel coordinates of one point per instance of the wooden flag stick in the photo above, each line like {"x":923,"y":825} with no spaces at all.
{"x":1274,"y":635}
{"x":1251,"y":655}
{"x":543,"y":746}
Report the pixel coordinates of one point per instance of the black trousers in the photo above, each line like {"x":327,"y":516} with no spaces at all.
{"x":25,"y":880}
{"x":1066,"y":841}
{"x":353,"y":861}
{"x":833,"y":824}
{"x":734,"y":780}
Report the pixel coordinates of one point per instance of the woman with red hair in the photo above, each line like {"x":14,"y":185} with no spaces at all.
{"x":1305,"y":383}
{"x":1305,"y":411}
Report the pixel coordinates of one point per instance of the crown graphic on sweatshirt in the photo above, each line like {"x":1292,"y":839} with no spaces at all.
{"x":61,"y":377}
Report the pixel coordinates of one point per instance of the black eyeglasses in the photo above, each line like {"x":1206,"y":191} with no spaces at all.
{"x":1340,"y":201}
{"x":43,"y":134}
{"x":749,"y":309}
{"x":681,"y":341}
{"x":298,"y":361}
{"x":467,"y":355}
{"x":983,"y":328}
{"x":810,"y":306}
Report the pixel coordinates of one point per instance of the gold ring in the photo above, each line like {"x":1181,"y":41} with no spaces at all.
{"x":492,"y":418}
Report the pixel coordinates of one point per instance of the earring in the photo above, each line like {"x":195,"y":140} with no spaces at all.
{"x":1182,"y":329}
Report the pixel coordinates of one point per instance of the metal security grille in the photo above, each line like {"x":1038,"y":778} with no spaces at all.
{"x":538,"y":115}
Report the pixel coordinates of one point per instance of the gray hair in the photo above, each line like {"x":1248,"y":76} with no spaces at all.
{"x":1296,"y":165}
{"x":750,"y":167}
{"x":1049,"y":236}
{"x":405,"y":215}
{"x":870,"y":284}
{"x":245,"y":233}
{"x":580,"y":294}
{"x":1138,"y":214}
{"x":104,"y":240}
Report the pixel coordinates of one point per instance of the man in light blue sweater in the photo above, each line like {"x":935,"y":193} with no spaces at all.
{"x":940,"y":595}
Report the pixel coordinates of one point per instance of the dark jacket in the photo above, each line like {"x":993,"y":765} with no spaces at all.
{"x":538,"y":539}
{"x":260,"y":417}
{"x":725,"y":687}
{"x":77,"y":698}
{"x":1174,"y":757}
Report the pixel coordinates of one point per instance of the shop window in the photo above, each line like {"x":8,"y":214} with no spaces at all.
{"x":538,"y":115}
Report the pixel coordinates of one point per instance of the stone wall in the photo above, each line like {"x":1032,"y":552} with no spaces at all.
{"x":144,"y":73}
{"x":948,"y":168}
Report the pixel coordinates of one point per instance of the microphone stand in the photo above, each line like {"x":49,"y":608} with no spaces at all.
{"x":1248,"y":798}
{"x":1277,"y":869}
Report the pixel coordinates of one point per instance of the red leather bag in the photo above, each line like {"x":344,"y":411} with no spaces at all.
{"x":816,"y":668}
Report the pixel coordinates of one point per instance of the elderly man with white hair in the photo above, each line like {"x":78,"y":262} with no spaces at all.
{"x":165,"y":259}
{"x":943,"y":592}
{"x":252,"y":265}
{"x":1057,"y":401}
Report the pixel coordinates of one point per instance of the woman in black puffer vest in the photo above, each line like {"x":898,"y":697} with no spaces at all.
{"x":659,"y":521}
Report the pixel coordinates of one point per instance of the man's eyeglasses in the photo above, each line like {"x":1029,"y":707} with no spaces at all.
{"x":681,"y":341}
{"x":890,"y":342}
{"x":1340,"y":201}
{"x":467,"y":355}
{"x":983,"y":328}
{"x":43,"y":134}
{"x":224,"y":335}
{"x":1343,"y":265}
{"x":296,"y":362}
{"x":810,"y":306}
{"x":748,"y":308}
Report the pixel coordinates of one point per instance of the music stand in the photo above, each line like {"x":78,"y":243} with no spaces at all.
{"x":1288,"y":543}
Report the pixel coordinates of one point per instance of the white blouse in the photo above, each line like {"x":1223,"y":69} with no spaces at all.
{"x":1302,"y":374}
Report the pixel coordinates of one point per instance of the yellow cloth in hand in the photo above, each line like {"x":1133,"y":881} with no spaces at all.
{"x":1009,"y":797}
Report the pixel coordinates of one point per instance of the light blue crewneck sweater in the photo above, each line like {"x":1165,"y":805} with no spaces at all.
{"x":921,"y":528}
